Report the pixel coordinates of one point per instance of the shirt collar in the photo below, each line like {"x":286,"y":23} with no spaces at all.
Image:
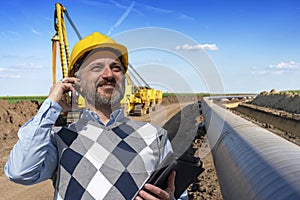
{"x":115,"y":116}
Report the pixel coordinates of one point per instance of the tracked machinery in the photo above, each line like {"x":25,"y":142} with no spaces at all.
{"x":139,"y":99}
{"x":142,"y":99}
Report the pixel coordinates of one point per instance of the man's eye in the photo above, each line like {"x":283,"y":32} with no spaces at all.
{"x":116,"y":68}
{"x":97,"y":68}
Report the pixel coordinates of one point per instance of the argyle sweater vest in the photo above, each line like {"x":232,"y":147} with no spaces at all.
{"x":99,"y":162}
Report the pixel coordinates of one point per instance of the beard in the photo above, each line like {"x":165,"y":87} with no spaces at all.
{"x":93,"y":97}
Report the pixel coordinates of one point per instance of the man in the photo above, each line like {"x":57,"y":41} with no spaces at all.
{"x":103,"y":155}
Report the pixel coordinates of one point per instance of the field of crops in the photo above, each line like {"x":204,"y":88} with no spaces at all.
{"x":185,"y":94}
{"x":14,"y":99}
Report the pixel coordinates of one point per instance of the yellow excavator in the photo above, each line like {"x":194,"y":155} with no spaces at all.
{"x":147,"y":99}
{"x":138,"y":100}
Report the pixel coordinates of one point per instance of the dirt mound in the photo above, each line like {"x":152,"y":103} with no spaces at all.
{"x":12,"y":117}
{"x":279,"y":112}
{"x":287,"y":101}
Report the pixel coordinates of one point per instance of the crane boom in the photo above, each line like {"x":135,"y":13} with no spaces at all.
{"x":61,"y":37}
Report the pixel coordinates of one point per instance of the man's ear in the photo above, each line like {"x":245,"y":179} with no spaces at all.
{"x":77,"y":74}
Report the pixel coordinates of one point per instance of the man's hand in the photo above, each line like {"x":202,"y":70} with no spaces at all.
{"x":167,"y":194}
{"x":59,"y":91}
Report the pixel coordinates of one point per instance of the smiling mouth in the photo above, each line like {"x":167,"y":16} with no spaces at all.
{"x":107,"y":86}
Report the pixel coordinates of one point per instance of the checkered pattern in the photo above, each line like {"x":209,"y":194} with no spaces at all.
{"x":99,"y":162}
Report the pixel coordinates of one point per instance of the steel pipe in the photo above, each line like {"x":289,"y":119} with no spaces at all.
{"x":251,"y":162}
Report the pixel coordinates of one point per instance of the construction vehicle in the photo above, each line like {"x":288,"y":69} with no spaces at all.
{"x":151,"y":98}
{"x":138,"y":99}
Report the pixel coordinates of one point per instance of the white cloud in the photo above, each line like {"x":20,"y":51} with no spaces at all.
{"x":277,"y":69}
{"x":4,"y":70}
{"x":122,"y":18}
{"x":94,"y":3}
{"x":285,"y":65}
{"x":175,"y":13}
{"x":9,"y":76}
{"x":14,"y":71}
{"x":27,"y":66}
{"x":266,"y":72}
{"x":118,"y":5}
{"x":19,"y":67}
{"x":159,"y":10}
{"x":8,"y":73}
{"x":259,"y":72}
{"x":14,"y":33}
{"x":9,"y":56}
{"x":198,"y":47}
{"x":278,"y":72}
{"x":35,"y":32}
{"x":186,"y":17}
{"x":11,"y":35}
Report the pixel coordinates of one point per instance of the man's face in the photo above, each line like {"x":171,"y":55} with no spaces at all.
{"x":102,"y":78}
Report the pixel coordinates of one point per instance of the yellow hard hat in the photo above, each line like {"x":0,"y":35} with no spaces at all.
{"x":94,"y":41}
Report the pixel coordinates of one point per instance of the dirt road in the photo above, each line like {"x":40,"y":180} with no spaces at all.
{"x":12,"y":191}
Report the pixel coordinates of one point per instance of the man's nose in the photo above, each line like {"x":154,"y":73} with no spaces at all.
{"x":107,"y":72}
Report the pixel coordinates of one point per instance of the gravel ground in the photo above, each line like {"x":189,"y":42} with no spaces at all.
{"x":207,"y":185}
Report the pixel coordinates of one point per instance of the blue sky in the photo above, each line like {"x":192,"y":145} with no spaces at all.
{"x":251,"y":45}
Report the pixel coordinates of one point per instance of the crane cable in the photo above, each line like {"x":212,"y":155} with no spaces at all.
{"x":73,"y":25}
{"x":146,"y":84}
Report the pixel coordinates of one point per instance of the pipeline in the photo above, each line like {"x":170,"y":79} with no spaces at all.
{"x":251,"y":162}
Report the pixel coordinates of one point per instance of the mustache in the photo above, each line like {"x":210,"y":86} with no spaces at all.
{"x":117,"y":85}
{"x":107,"y":82}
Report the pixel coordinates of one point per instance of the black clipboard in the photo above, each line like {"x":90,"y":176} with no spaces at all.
{"x":187,"y":169}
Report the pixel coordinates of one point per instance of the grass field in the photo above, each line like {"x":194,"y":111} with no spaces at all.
{"x":293,"y":91}
{"x":40,"y":99}
{"x":185,"y":94}
{"x":14,"y":99}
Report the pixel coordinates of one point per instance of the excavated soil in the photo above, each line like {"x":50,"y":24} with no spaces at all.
{"x":12,"y":117}
{"x":278,"y":112}
{"x":286,"y":101}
